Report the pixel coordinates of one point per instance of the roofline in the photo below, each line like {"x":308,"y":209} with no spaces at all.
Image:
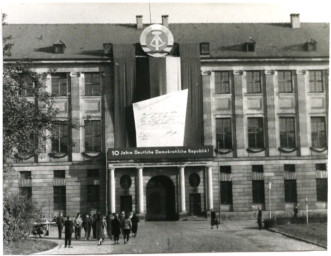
{"x":38,"y":61}
{"x":257,"y":59}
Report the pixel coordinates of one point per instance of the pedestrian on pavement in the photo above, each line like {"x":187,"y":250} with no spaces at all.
{"x":94,"y":219}
{"x":295,"y":211}
{"x":99,"y":225}
{"x":78,"y":226}
{"x":109,"y":219}
{"x":213,"y":219}
{"x":259,"y":218}
{"x":134,"y":221}
{"x":60,"y":223}
{"x":116,"y":228}
{"x":87,"y":222}
{"x":68,"y":230}
{"x":127,"y":226}
{"x":121,"y":219}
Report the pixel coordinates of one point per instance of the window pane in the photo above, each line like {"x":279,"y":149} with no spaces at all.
{"x":258,"y":191}
{"x":318,"y":133}
{"x":222,"y":82}
{"x":92,"y":84}
{"x":255,"y":133}
{"x":59,"y":84}
{"x":322,"y":190}
{"x":223,"y":133}
{"x":226,"y":192}
{"x":287,"y":132}
{"x":290,"y":191}
{"x":60,"y":138}
{"x":253,"y":82}
{"x":316,"y":81}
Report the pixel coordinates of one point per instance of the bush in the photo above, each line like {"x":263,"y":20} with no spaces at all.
{"x":18,"y":216}
{"x":269,"y":223}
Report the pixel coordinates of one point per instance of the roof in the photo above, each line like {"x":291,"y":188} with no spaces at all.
{"x":85,"y":41}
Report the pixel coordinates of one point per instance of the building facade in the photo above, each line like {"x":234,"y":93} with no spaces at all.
{"x":256,"y":123}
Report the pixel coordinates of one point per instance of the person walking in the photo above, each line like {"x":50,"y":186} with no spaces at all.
{"x":109,"y":219}
{"x":94,"y":219}
{"x":295,"y":211}
{"x":99,"y":225}
{"x":213,"y":219}
{"x":60,"y":223}
{"x":134,"y":221}
{"x":68,"y":230}
{"x":116,"y":228}
{"x":259,"y":218}
{"x":127,"y":226}
{"x":78,"y":226}
{"x":87,"y":222}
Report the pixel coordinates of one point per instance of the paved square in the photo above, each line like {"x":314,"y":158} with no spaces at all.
{"x":190,"y":236}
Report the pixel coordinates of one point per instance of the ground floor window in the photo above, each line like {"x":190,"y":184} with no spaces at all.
{"x":126,"y":203}
{"x":290,"y":191}
{"x":26,"y":191}
{"x":258,"y":191}
{"x":322,"y":190}
{"x":93,"y":196}
{"x":59,"y":198}
{"x":226,"y":192}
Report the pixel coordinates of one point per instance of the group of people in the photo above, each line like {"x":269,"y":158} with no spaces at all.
{"x":112,"y":225}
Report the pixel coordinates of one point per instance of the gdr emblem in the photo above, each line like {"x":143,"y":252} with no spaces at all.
{"x":156,"y":40}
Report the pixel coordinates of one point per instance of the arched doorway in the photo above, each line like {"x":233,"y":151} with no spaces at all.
{"x":160,"y":199}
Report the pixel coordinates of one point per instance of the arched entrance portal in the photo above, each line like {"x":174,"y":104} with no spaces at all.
{"x":160,"y":199}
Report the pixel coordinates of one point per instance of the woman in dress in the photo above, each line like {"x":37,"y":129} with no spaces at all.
{"x":116,"y":228}
{"x":100,"y":226}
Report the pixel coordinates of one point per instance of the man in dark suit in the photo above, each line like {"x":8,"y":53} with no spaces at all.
{"x":59,"y":223}
{"x":68,"y":229}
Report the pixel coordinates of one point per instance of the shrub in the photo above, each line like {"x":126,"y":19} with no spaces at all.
{"x":269,"y":223}
{"x":18,"y":216}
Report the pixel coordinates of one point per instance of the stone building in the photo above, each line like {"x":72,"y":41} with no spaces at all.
{"x":256,"y":121}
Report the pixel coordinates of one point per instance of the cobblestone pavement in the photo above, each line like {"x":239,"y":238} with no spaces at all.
{"x":190,"y":236}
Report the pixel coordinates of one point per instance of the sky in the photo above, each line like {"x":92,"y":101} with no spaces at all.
{"x":189,"y":11}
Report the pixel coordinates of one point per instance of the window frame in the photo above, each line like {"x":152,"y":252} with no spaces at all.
{"x":25,"y":175}
{"x":59,"y":174}
{"x":95,"y":137}
{"x":91,"y":86}
{"x":251,"y":85}
{"x":26,"y":191}
{"x":313,"y":80}
{"x":226,"y":193}
{"x":57,"y":88}
{"x":223,"y":86}
{"x":93,"y":196}
{"x":59,"y":139}
{"x":59,"y":198}
{"x":226,"y":136}
{"x":321,"y":195}
{"x":321,"y":136}
{"x":258,"y":144}
{"x":258,"y":198}
{"x":287,"y":133}
{"x":283,"y":82}
{"x":290,"y":196}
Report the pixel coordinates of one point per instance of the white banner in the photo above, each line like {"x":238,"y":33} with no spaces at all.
{"x":160,"y":121}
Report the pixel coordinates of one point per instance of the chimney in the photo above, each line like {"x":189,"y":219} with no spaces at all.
{"x":165,"y":20}
{"x":295,"y":20}
{"x":139,"y":21}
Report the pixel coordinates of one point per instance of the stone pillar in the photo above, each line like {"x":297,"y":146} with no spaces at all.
{"x":112,"y":205}
{"x":210,"y":188}
{"x":182,"y":190}
{"x":140,"y":191}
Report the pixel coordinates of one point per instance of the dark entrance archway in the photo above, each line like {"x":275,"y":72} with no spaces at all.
{"x":160,"y":199}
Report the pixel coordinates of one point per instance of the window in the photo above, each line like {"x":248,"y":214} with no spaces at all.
{"x":289,"y":167}
{"x":285,"y":81}
{"x":226,"y":192}
{"x":225,"y":169}
{"x":25,"y":175}
{"x":257,"y":168}
{"x":27,"y":86}
{"x":26,"y":191}
{"x":126,"y":203}
{"x":93,"y":196}
{"x":249,"y":47}
{"x":93,"y":173}
{"x":255,"y":132}
{"x":322,"y":190}
{"x":258,"y":191}
{"x":61,"y":174}
{"x":222,"y":82}
{"x":92,"y":84}
{"x":59,"y":84}
{"x":253,"y":82}
{"x":204,"y":48}
{"x":223,"y":133}
{"x":320,"y":167}
{"x":287,"y":132}
{"x":318,"y":133}
{"x":316,"y":81}
{"x":93,"y":136}
{"x":60,"y":138}
{"x":59,"y":198}
{"x":290,"y":191}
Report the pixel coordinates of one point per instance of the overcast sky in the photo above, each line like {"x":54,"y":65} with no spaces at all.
{"x":190,"y":11}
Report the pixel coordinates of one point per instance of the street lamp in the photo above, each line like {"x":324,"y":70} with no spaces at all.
{"x":269,"y":188}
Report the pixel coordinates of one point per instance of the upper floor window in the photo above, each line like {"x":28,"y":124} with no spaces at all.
{"x":93,"y":135}
{"x":60,"y":138}
{"x":204,"y":48}
{"x":222,"y":82}
{"x":92,"y":84}
{"x":61,"y":174}
{"x":318,"y":132}
{"x":285,"y":81}
{"x":59,"y":84}
{"x":254,"y":82}
{"x":316,"y":81}
{"x":287,"y":132}
{"x":223,"y":133}
{"x":25,"y":175}
{"x":255,"y":132}
{"x":27,"y":86}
